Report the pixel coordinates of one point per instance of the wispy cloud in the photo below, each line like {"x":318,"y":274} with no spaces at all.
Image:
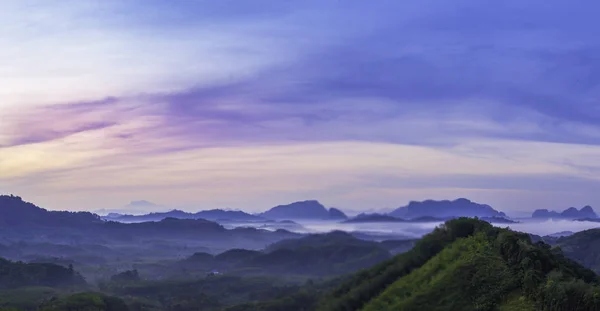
{"x":277,"y":101}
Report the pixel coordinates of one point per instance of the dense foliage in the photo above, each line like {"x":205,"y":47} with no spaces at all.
{"x":469,"y":265}
{"x":19,"y":274}
{"x":583,"y":247}
{"x":85,"y":302}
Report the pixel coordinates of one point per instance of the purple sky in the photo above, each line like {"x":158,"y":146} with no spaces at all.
{"x":249,"y":104}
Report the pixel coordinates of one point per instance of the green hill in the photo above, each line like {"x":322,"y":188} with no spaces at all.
{"x":469,"y":265}
{"x":583,"y":247}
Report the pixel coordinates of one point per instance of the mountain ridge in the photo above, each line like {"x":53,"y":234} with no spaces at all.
{"x":569,"y":213}
{"x":309,"y":210}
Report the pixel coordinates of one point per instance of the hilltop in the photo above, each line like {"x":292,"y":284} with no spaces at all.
{"x":468,"y":264}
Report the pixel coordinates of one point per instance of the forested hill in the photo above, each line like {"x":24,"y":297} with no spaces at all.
{"x":19,"y":274}
{"x":16,"y":213}
{"x":467,"y":264}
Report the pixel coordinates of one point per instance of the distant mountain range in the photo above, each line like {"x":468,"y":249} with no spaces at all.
{"x":374,"y":218}
{"x":20,"y":220}
{"x":138,"y":207}
{"x":569,"y":213}
{"x":214,"y":215}
{"x":446,"y":209}
{"x":304,"y":210}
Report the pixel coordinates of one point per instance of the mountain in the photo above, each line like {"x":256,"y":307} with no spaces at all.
{"x":368,"y":218}
{"x":22,"y":221}
{"x":446,"y":209}
{"x":468,"y":264}
{"x":335,"y":213}
{"x":158,"y":216}
{"x":569,"y":213}
{"x":311,"y":209}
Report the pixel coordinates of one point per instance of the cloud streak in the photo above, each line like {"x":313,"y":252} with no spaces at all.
{"x":196,"y":95}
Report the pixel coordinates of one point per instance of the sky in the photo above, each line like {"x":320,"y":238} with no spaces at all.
{"x":248,"y":104}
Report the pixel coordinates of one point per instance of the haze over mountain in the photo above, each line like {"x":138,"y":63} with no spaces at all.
{"x":138,"y":207}
{"x":215,"y":214}
{"x":23,"y":221}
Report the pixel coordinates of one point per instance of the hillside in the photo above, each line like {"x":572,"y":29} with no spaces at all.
{"x":314,"y":255}
{"x":469,"y":265}
{"x":445,"y":209}
{"x":583,"y":247}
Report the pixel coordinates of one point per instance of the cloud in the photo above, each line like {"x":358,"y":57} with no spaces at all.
{"x":206,"y":95}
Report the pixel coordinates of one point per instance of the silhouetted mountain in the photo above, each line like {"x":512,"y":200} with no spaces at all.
{"x":569,"y":213}
{"x":22,"y":221}
{"x":367,"y":218}
{"x":303,"y":210}
{"x":335,"y":213}
{"x":446,"y":209}
{"x":14,"y":212}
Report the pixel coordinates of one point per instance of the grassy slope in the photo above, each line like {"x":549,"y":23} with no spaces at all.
{"x":451,"y":276}
{"x":470,"y":265}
